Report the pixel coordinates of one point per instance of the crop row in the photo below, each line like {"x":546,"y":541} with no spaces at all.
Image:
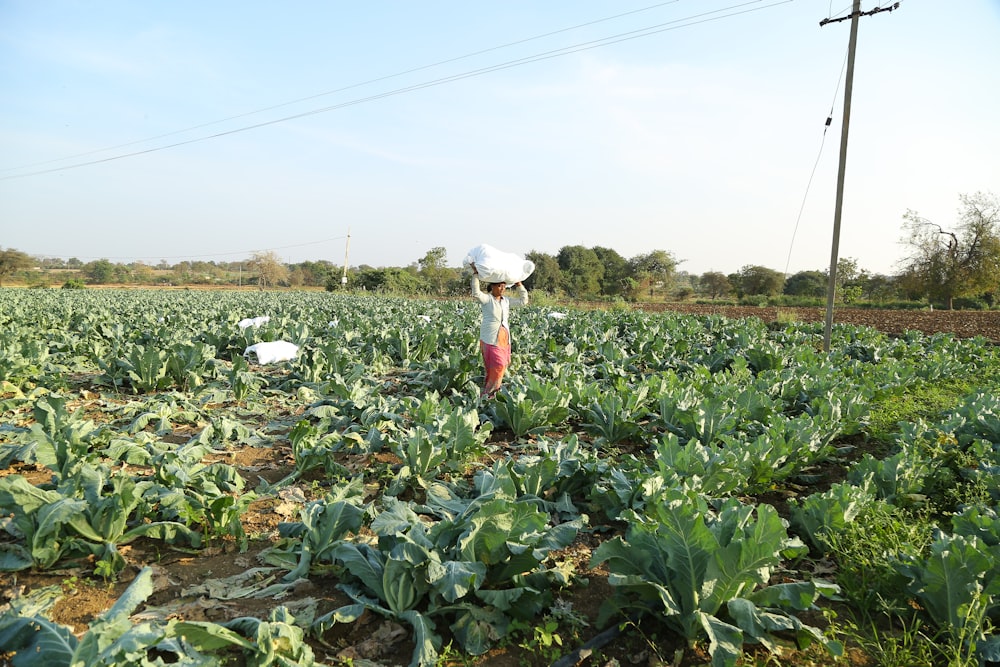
{"x":659,"y":426}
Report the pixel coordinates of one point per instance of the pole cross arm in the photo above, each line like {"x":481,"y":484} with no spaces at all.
{"x":868,"y":13}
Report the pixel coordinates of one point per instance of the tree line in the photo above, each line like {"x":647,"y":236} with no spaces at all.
{"x":947,"y":266}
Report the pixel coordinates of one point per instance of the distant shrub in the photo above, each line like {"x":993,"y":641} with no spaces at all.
{"x":891,"y":305}
{"x":969,"y":303}
{"x":715,"y":302}
{"x":74,"y":283}
{"x":797,"y":301}
{"x":542,"y":298}
{"x":754,"y":300}
{"x":619,"y":305}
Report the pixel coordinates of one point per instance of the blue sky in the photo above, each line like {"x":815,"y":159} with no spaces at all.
{"x":412,"y":125}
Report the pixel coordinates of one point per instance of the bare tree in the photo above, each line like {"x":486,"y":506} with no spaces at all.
{"x":963,"y":260}
{"x":269,"y":269}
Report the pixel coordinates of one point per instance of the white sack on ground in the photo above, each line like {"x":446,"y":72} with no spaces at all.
{"x":253,"y":321}
{"x":273,"y":352}
{"x":497,"y":266}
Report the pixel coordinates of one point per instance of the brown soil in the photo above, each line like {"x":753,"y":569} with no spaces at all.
{"x":961,"y":323}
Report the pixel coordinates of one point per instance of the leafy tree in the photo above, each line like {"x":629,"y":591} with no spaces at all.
{"x":759,"y":280}
{"x":547,"y":276}
{"x":315,"y":274}
{"x":141,"y":273}
{"x":12,"y":261}
{"x":581,"y":270}
{"x":52,"y":262}
{"x":393,"y":280}
{"x":182,"y":273}
{"x":956,"y":262}
{"x":433,"y":269}
{"x":849,"y":278}
{"x":269,"y":268}
{"x":616,"y":271}
{"x":848,"y":272}
{"x":653,"y":271}
{"x":714,"y":284}
{"x":878,"y":287}
{"x":99,"y":272}
{"x":807,"y":283}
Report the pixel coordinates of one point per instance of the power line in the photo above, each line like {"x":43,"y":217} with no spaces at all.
{"x":805,"y":196}
{"x":696,"y":19}
{"x":345,"y":88}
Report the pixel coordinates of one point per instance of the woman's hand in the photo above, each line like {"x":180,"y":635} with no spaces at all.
{"x":474,"y":269}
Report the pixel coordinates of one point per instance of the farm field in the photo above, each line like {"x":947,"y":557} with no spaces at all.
{"x":960,"y":323}
{"x":648,"y":488}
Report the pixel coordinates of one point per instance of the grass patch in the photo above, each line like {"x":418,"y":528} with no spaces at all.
{"x":925,"y":401}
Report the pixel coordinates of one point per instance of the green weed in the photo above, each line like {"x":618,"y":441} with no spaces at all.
{"x":921,"y":401}
{"x":901,"y":644}
{"x":865,"y":550}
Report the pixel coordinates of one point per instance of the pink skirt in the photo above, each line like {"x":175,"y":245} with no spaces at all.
{"x":496,"y":358}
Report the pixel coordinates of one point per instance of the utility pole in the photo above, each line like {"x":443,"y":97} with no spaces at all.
{"x":347,"y":249}
{"x":839,"y":207}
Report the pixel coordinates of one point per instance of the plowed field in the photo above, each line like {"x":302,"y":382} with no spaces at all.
{"x":961,"y":323}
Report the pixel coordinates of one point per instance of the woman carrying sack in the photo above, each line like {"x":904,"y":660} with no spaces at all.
{"x":494,"y":332}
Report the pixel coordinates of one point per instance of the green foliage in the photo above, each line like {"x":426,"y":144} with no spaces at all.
{"x":531,"y":407}
{"x":581,"y":271}
{"x":865,"y":536}
{"x":921,"y":400}
{"x":707,"y":572}
{"x":437,"y":442}
{"x":957,"y":584}
{"x":755,"y":280}
{"x":242,"y":380}
{"x":615,"y":416}
{"x":476,"y":563}
{"x":87,"y":514}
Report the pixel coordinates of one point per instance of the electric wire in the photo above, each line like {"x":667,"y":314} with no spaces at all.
{"x":621,"y":37}
{"x":805,"y":196}
{"x":685,"y":22}
{"x":345,"y":88}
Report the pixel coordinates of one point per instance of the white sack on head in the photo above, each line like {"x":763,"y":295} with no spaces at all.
{"x":273,"y":352}
{"x":496,"y":266}
{"x":253,"y":321}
